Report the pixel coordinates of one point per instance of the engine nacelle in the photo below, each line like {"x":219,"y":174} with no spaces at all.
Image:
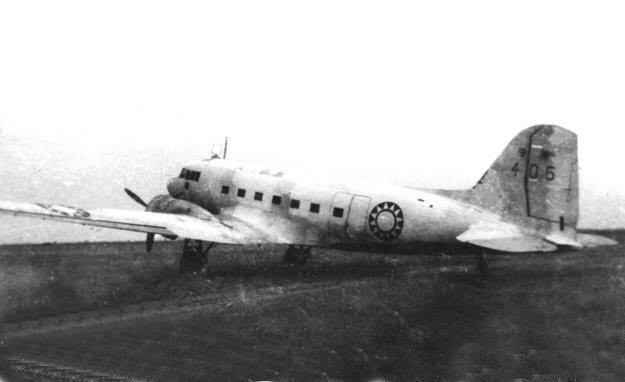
{"x":170,"y":205}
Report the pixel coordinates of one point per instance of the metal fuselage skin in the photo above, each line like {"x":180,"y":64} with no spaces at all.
{"x":347,"y":213}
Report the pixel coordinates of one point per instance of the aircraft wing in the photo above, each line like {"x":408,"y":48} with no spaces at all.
{"x":504,"y":237}
{"x":277,"y":229}
{"x":209,"y":229}
{"x":507,"y":237}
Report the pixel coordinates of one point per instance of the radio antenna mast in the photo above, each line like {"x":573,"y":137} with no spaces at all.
{"x":225,"y":148}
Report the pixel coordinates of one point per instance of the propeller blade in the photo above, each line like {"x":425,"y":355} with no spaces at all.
{"x":135,"y":197}
{"x":149,"y":242}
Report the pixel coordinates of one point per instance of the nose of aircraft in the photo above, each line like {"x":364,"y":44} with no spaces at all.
{"x":174,"y":187}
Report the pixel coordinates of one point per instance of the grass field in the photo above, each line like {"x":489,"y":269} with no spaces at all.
{"x":537,"y":317}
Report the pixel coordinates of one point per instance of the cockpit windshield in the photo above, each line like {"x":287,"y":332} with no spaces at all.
{"x":190,"y":174}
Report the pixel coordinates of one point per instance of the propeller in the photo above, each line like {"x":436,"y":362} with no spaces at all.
{"x":149,"y":240}
{"x":135,"y":197}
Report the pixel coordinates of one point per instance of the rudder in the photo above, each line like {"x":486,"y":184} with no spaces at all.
{"x":535,"y":179}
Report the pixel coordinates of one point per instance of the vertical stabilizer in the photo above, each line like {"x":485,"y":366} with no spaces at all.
{"x":534,"y":180}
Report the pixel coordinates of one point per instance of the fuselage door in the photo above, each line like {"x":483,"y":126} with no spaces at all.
{"x":350,"y":211}
{"x":357,"y":217}
{"x":340,"y":207}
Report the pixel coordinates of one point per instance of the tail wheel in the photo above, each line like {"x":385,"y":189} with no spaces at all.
{"x":481,"y":264}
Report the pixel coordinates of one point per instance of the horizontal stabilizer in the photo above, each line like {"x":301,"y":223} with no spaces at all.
{"x":591,"y":240}
{"x":504,"y":237}
{"x":563,"y":240}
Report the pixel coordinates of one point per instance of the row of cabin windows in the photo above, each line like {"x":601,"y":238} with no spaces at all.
{"x":190,"y":174}
{"x":277,"y":200}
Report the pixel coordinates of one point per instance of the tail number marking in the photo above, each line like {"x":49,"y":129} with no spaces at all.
{"x":534,"y":171}
{"x":551,"y":173}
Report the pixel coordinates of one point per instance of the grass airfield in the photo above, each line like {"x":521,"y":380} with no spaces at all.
{"x":108,"y":311}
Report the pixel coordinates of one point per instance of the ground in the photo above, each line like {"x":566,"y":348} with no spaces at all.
{"x":112,"y":312}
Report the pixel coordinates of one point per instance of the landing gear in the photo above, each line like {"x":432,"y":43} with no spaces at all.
{"x":194,"y":256}
{"x":296,"y":256}
{"x":481,"y":264}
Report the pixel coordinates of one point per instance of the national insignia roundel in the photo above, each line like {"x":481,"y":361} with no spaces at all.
{"x":386,"y":221}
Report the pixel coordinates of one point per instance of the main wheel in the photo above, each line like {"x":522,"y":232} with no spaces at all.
{"x":296,"y":255}
{"x":193,"y":258}
{"x":481,"y":264}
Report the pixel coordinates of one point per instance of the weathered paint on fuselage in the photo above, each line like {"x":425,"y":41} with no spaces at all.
{"x":424,"y":218}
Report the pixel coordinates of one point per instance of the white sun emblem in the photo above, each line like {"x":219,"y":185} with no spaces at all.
{"x":386,"y":221}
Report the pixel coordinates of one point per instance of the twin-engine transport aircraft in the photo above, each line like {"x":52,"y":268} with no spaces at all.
{"x":526,"y":202}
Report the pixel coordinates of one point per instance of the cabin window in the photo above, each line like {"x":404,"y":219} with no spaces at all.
{"x":183,"y":173}
{"x":241,"y":192}
{"x":258,"y":196}
{"x":337,"y":212}
{"x":294,"y":203}
{"x":277,"y":199}
{"x":225,"y":189}
{"x":314,"y":207}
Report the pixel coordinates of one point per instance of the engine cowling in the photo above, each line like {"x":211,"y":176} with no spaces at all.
{"x":170,"y":205}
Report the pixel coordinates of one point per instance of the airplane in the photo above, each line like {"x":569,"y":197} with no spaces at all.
{"x":527,"y":201}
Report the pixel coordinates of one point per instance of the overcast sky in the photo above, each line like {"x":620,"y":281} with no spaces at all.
{"x":95,"y":97}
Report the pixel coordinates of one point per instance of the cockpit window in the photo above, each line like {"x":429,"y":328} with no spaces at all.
{"x":194,"y":175}
{"x":190,"y":174}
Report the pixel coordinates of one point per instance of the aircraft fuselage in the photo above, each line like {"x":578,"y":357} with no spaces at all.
{"x":321,"y":215}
